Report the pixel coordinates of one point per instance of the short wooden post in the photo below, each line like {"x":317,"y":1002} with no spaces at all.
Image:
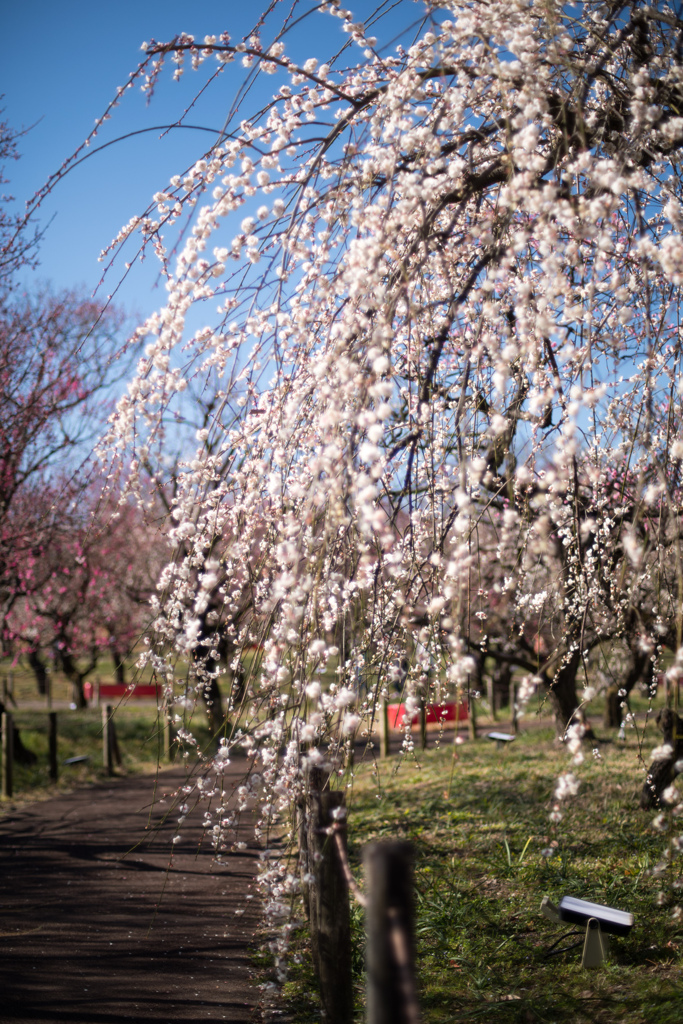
{"x":423,"y":723}
{"x":7,"y":754}
{"x":52,"y":744}
{"x":107,"y":746}
{"x":513,"y":707}
{"x":310,"y":851}
{"x":333,"y":913}
{"x":115,"y":749}
{"x":491,"y":695}
{"x":471,"y":715}
{"x":390,"y":953}
{"x":384,"y":738}
{"x":168,"y":738}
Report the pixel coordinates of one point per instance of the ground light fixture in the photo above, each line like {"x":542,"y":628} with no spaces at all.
{"x":598,"y":921}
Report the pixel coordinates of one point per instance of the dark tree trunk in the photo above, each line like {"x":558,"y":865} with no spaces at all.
{"x":208,"y":668}
{"x":562,"y":689}
{"x":214,"y":703}
{"x":641,"y":668}
{"x":119,"y":668}
{"x":613,"y":710}
{"x":22,"y":755}
{"x":39,"y":669}
{"x":501,"y":676}
{"x":237,"y":689}
{"x":661,"y":772}
{"x":77,"y":676}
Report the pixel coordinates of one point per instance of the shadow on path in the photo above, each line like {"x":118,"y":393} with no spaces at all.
{"x":98,"y":925}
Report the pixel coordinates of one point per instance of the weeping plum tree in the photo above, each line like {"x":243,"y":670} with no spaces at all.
{"x":434,"y":290}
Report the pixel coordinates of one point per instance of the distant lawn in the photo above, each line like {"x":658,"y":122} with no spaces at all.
{"x":479,"y":825}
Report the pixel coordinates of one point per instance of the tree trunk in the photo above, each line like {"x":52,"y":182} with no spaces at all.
{"x":612,"y":716}
{"x":662,"y":773}
{"x":501,"y":676}
{"x":77,"y":677}
{"x":214,"y":704}
{"x":39,"y":669}
{"x":119,"y":667}
{"x":562,"y":689}
{"x":641,"y":668}
{"x":20,"y":753}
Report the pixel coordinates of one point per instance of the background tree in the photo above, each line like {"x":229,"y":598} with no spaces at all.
{"x":59,"y":372}
{"x":83,"y":588}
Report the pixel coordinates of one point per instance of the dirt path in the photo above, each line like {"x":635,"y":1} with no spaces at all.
{"x":96,"y":928}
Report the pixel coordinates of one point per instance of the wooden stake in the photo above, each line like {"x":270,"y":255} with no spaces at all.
{"x":513,"y":707}
{"x":168,"y":738}
{"x":7,"y":754}
{"x":384,"y":738}
{"x":491,"y":694}
{"x":52,"y":744}
{"x":390,"y":953}
{"x":334,"y":917}
{"x":423,"y":724}
{"x":471,"y":715}
{"x":107,"y":750}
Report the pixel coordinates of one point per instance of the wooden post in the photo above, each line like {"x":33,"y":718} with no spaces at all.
{"x":334,"y":916}
{"x":390,"y":953}
{"x":310,"y":851}
{"x":423,"y":723}
{"x":168,"y":738}
{"x":471,"y":715}
{"x":107,"y":746}
{"x":491,"y":694}
{"x":7,"y":753}
{"x":326,"y":895}
{"x":8,"y":689}
{"x":513,"y":707}
{"x":52,"y":744}
{"x":384,"y":738}
{"x":115,"y":749}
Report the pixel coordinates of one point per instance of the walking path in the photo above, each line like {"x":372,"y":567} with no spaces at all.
{"x":99,"y":926}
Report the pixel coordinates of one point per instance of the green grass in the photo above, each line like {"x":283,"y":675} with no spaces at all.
{"x":79,"y":733}
{"x":479,"y":825}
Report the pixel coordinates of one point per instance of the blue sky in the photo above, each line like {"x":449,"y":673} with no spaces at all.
{"x":61,"y":65}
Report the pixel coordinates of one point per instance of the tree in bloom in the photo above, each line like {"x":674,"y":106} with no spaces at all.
{"x":83,"y":587}
{"x":446,"y":350}
{"x":55,"y":372}
{"x":58,"y":366}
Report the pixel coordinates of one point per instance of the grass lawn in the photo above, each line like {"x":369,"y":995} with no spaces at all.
{"x":479,"y":825}
{"x":79,"y":733}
